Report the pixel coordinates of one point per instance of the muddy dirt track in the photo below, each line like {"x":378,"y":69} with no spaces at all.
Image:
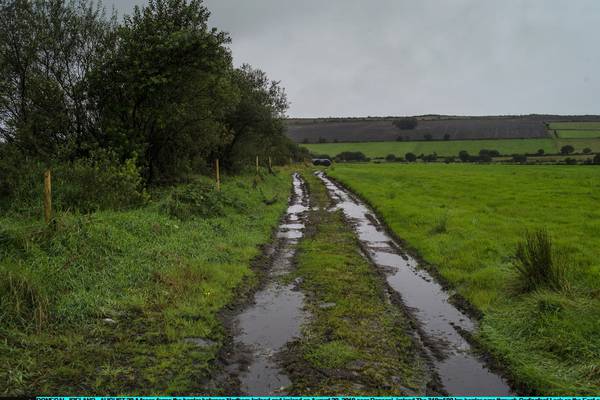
{"x":274,"y":316}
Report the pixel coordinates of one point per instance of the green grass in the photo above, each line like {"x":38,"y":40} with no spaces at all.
{"x":549,"y":340}
{"x":575,"y":125}
{"x":442,"y":148}
{"x":159,"y":278}
{"x":579,"y":134}
{"x":360,"y":340}
{"x":580,"y":144}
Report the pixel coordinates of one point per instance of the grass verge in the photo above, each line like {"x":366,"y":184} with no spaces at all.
{"x":549,"y":340}
{"x":357,"y":342}
{"x":103,"y":302}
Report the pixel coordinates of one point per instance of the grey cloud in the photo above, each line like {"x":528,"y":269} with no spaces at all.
{"x":391,"y":57}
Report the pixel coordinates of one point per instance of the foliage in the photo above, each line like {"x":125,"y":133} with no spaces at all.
{"x":406,"y":123}
{"x":410,"y":157}
{"x":537,"y":264}
{"x":159,"y":88}
{"x":567,"y":149}
{"x":519,"y":158}
{"x":351,"y":156}
{"x":390,"y":157}
{"x":199,"y":199}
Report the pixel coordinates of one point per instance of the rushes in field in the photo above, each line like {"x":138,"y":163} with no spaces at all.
{"x":537,"y":264}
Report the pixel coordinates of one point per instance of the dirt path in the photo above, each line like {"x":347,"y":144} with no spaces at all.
{"x":461,"y":372}
{"x":275,"y":315}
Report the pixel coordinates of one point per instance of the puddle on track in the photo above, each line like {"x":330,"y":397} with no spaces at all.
{"x":276,"y":316}
{"x":461,"y":372}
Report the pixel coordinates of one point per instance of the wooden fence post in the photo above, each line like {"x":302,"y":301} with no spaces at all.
{"x":47,"y":196}
{"x":270,"y":166}
{"x":218,"y":176}
{"x":256,"y":165}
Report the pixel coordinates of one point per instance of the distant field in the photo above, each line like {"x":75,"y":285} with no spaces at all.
{"x":467,"y":219}
{"x":580,"y":144}
{"x":575,"y":125}
{"x":453,"y":147}
{"x":575,"y":130}
{"x":384,"y":130}
{"x":442,"y":148}
{"x":578,"y":134}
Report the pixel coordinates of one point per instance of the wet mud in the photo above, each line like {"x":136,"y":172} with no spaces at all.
{"x":440,"y":323}
{"x":275,"y":316}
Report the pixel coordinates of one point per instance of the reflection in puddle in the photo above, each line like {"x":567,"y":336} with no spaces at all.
{"x":461,"y":372}
{"x":276,"y":315}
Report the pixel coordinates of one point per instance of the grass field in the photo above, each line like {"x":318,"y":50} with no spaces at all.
{"x":578,"y":134}
{"x":574,"y":130}
{"x":158,"y":279}
{"x":453,"y":147}
{"x":467,"y":219}
{"x":575,"y":125}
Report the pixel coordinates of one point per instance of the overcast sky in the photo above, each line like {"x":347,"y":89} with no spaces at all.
{"x":409,"y":57}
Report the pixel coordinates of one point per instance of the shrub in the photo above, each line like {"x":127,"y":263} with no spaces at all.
{"x":540,"y":152}
{"x":84,"y":185}
{"x":351,"y":156}
{"x":536,"y":263}
{"x":568,"y":149}
{"x":428,"y":136}
{"x":587,"y":150}
{"x":410,"y":157}
{"x":198,"y":199}
{"x":92,"y":184}
{"x":406,"y":123}
{"x":520,"y":158}
{"x":597,"y":159}
{"x":430,"y":157}
{"x":390,"y":157}
{"x":463,"y":155}
{"x":570,"y":161}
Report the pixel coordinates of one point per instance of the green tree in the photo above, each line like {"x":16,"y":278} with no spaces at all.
{"x":464,"y":156}
{"x":257,"y":122}
{"x":567,"y":149}
{"x":165,"y":90}
{"x":406,"y":123}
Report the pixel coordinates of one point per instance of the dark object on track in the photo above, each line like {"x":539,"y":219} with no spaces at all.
{"x":321,"y":161}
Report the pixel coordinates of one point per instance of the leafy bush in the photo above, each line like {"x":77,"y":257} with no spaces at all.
{"x":351,"y":156}
{"x":198,"y":199}
{"x":587,"y":150}
{"x":93,"y":184}
{"x":538,"y":266}
{"x":520,"y":158}
{"x":406,"y":123}
{"x":464,"y":155}
{"x":390,"y":157}
{"x":568,"y":149}
{"x":570,"y":161}
{"x":410,"y":157}
{"x":84,"y":185}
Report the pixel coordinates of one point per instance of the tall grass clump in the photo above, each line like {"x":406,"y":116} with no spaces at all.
{"x":537,"y":264}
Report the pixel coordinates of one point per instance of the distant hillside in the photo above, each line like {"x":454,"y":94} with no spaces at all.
{"x":367,"y":129}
